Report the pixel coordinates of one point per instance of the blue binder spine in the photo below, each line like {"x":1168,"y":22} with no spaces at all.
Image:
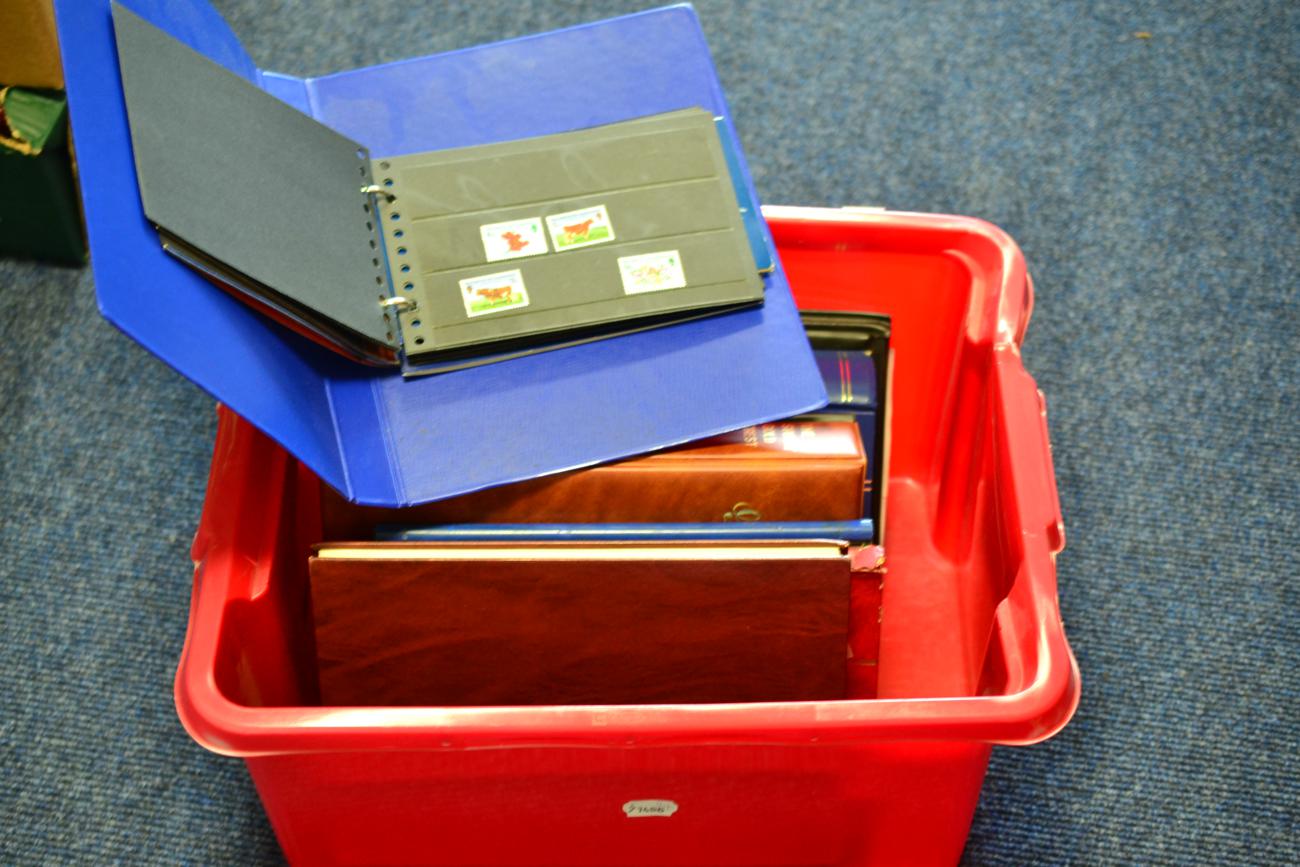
{"x":852,"y":532}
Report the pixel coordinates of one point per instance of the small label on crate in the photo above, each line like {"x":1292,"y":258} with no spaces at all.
{"x":649,"y":807}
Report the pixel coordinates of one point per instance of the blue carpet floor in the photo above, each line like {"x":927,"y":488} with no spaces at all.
{"x":1152,"y":183}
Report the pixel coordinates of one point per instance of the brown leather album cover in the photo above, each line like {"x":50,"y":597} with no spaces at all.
{"x":539,"y":623}
{"x":783,"y":471}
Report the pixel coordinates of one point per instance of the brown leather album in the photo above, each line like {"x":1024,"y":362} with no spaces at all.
{"x":783,"y":471}
{"x":547,"y":623}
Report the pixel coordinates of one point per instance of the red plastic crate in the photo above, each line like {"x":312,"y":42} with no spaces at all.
{"x":972,"y":648}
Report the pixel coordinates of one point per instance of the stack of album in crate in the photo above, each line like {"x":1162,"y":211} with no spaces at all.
{"x":469,"y":285}
{"x":744,"y":567}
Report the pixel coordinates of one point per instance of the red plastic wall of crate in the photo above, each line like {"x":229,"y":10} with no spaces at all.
{"x":972,"y":648}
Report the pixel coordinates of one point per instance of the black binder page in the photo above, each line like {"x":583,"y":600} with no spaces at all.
{"x":562,"y":236}
{"x":248,"y":181}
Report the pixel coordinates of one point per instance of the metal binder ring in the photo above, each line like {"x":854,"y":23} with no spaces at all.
{"x":376,"y":190}
{"x":400,"y":302}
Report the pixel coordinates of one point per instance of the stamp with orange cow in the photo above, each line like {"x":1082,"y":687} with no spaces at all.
{"x":513,"y":239}
{"x":580,"y":228}
{"x":492,"y":293}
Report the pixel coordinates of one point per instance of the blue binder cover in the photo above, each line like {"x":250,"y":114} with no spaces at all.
{"x":860,"y":532}
{"x":375,"y":437}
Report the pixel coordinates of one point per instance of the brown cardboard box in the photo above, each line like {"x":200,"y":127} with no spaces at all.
{"x":29,"y":44}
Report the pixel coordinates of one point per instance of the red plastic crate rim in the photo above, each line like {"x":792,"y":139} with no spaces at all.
{"x":1026,"y":682}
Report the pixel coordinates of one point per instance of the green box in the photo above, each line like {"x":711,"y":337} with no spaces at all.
{"x":40,"y":217}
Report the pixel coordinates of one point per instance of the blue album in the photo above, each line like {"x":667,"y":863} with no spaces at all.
{"x":375,"y":436}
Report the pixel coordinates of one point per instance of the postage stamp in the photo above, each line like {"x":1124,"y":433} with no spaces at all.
{"x":493,"y":293}
{"x":513,"y":239}
{"x":580,"y":228}
{"x":652,"y":272}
